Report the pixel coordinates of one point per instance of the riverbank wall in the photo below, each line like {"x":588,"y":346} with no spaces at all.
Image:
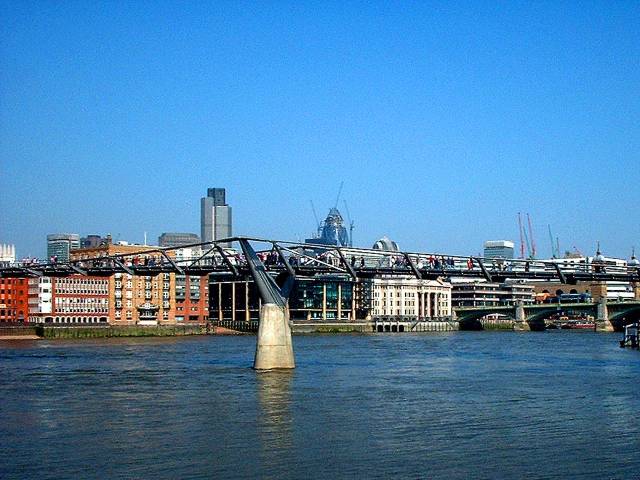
{"x":18,"y":332}
{"x":120,"y":331}
{"x":304,"y":328}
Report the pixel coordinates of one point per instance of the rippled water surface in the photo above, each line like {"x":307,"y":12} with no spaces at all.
{"x":456,"y":406}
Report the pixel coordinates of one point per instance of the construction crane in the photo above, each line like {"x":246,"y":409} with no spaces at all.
{"x":555,"y":246}
{"x":526,"y":238}
{"x":533,"y":242}
{"x":339,"y":192}
{"x":346,"y":207}
{"x":315,"y":215}
{"x":521,"y":235}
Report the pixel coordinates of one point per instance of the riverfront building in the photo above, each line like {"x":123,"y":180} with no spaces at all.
{"x":480,"y":293}
{"x":120,"y":299}
{"x":336,"y":298}
{"x":72,"y":300}
{"x":409,"y":297}
{"x":59,"y":245}
{"x":14,"y":300}
{"x":611,"y":290}
{"x":321,"y":298}
{"x":215,"y":216}
{"x":164,"y":299}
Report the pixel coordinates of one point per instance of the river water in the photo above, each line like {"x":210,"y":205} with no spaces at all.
{"x":456,"y":405}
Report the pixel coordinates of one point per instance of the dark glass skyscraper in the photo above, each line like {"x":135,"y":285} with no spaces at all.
{"x":215,"y":216}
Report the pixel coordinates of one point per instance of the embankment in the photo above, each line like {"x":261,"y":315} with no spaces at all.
{"x":112,"y":331}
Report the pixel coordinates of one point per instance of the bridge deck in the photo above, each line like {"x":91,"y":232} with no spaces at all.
{"x":310,"y":260}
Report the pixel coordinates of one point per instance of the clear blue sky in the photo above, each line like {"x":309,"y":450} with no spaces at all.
{"x":443,"y":120}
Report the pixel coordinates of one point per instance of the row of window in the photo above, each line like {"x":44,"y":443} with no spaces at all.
{"x":129,"y":315}
{"x":69,"y":320}
{"x":82,"y":310}
{"x":399,"y":303}
{"x":86,"y":301}
{"x":11,"y":301}
{"x":405,"y":294}
{"x":11,"y":313}
{"x":80,"y":281}
{"x":73,"y":291}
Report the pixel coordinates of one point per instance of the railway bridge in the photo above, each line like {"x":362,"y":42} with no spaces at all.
{"x":608,"y":315}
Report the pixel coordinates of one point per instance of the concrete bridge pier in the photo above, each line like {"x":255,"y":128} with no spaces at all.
{"x":521,"y":323}
{"x":274,"y":348}
{"x":603,"y":324}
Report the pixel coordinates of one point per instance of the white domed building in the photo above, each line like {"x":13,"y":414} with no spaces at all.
{"x":386,"y":245}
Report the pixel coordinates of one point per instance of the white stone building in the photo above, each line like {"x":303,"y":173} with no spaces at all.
{"x":7,"y":253}
{"x":410,"y":297}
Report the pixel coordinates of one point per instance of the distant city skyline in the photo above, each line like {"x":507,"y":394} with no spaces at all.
{"x":443,"y":120}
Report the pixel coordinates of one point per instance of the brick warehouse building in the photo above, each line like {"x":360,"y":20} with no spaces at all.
{"x":120,"y":299}
{"x":164,"y":299}
{"x":71,"y":300}
{"x":14,"y":300}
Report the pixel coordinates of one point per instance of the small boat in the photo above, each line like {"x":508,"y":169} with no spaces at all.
{"x":579,"y":325}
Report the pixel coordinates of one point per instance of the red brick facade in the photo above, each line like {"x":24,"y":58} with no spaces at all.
{"x":14,"y":300}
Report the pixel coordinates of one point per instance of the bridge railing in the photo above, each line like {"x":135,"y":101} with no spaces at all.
{"x":280,"y":255}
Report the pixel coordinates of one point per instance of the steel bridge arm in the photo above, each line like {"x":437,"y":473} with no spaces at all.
{"x":414,"y":269}
{"x":485,"y":272}
{"x":226,"y":260}
{"x":560,"y":273}
{"x":284,"y":259}
{"x":173,"y":264}
{"x":269,"y":290}
{"x":346,"y":264}
{"x":123,"y":266}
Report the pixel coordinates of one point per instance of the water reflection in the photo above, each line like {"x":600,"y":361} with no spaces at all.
{"x":275,"y":423}
{"x":465,"y":405}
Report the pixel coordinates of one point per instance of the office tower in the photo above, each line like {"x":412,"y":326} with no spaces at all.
{"x":60,"y":244}
{"x":215,"y":216}
{"x":498,"y":249}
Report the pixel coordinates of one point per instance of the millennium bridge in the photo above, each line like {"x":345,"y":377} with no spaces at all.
{"x":275,"y":267}
{"x":307,"y":260}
